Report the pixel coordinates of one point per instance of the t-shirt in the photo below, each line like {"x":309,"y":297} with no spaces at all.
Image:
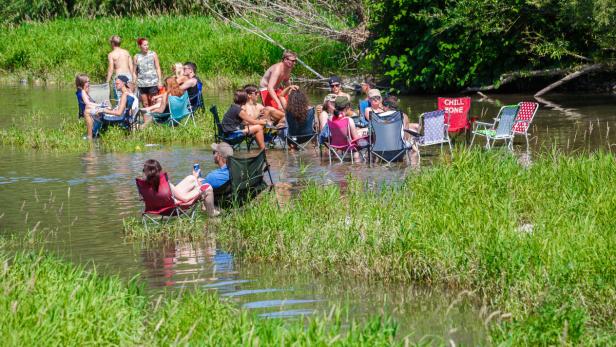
{"x":217,"y":178}
{"x":363,"y":104}
{"x":232,"y":121}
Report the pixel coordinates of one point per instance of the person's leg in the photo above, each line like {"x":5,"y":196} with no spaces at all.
{"x":89,"y":123}
{"x":257,"y":131}
{"x":145,"y":100}
{"x":208,"y":202}
{"x":273,"y":114}
{"x":187,"y":189}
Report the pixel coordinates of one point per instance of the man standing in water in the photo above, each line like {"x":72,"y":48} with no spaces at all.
{"x":120,"y":62}
{"x":275,"y":79}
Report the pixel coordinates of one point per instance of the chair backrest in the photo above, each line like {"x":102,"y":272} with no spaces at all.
{"x":339,"y":132}
{"x":456,"y":112}
{"x":433,"y":126}
{"x":179,"y":106}
{"x":156,"y":201}
{"x":196,"y":100}
{"x":301,"y":129}
{"x":247,"y":172}
{"x":527,"y":112}
{"x":80,"y":103}
{"x":506,"y":119}
{"x":99,"y":92}
{"x":387,"y":129}
{"x":217,"y":124}
{"x":128,"y":110}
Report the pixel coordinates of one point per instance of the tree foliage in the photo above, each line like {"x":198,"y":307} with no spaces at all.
{"x":450,"y":44}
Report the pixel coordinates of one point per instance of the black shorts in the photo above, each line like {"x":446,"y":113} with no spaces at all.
{"x":149,"y":90}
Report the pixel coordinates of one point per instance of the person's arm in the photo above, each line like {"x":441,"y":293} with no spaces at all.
{"x":367,"y":112}
{"x":132,"y":71}
{"x":288,"y":89}
{"x":157,"y":65}
{"x":191,"y":82}
{"x":121,"y":107}
{"x":271,"y":84}
{"x":86,"y":99}
{"x":135,"y":68}
{"x":245,"y":117}
{"x":109,"y":67}
{"x":354,"y":133}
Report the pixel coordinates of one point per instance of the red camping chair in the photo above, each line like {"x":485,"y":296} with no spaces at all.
{"x":160,"y":203}
{"x":526,"y":114}
{"x":456,"y":113}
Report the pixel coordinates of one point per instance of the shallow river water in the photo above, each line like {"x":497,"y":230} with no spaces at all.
{"x":81,"y":198}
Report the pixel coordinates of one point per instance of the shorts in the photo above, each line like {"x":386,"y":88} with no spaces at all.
{"x":205,"y":186}
{"x":234,"y":135}
{"x":153,"y":90}
{"x":268,"y":100}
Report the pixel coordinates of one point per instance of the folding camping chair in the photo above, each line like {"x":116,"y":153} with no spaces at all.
{"x":99,"y":93}
{"x":234,"y":139}
{"x":525,"y":117}
{"x":161,"y":204}
{"x":126,"y":120}
{"x":247,"y":179}
{"x":179,"y":110}
{"x":500,"y":129}
{"x":435,"y":130}
{"x":456,"y":114}
{"x":340,"y":139}
{"x":300,"y":134}
{"x":196,"y":101}
{"x":388,"y":143}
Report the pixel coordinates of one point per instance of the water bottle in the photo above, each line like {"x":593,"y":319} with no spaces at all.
{"x":196,"y":168}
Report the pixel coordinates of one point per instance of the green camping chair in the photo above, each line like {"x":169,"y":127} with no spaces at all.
{"x":247,"y":180}
{"x":500,"y":129}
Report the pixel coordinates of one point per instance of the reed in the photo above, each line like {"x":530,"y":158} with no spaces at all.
{"x":535,"y":242}
{"x":50,"y":302}
{"x":225,"y":56}
{"x":69,"y":135}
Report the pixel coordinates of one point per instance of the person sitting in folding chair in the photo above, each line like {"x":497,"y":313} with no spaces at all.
{"x":88,"y":108}
{"x":344,"y":136}
{"x":216,"y":178}
{"x":236,"y":120}
{"x":122,"y":113}
{"x":391,"y":104}
{"x":300,"y":119}
{"x":189,"y":189}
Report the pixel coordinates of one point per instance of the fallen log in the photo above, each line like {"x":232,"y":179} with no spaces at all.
{"x":512,"y":76}
{"x":584,"y":70}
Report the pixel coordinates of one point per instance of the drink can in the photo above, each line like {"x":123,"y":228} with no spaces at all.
{"x":196,"y":168}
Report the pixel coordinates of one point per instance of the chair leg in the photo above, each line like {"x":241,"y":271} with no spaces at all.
{"x":472,"y":140}
{"x":527,"y":146}
{"x":450,"y":148}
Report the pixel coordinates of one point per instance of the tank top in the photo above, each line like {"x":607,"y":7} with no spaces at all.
{"x":146,"y":70}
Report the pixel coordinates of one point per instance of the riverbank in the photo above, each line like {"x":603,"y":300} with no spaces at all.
{"x":49,"y":301}
{"x":55,"y":51}
{"x":535,"y":243}
{"x":68,"y":137}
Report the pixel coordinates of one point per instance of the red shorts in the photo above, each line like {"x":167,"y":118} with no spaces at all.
{"x":268,"y":100}
{"x":205,"y":186}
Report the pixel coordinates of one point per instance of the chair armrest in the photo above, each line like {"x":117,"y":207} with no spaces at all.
{"x":483,"y":124}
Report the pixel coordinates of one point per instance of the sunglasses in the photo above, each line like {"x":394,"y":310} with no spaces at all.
{"x":336,"y":85}
{"x":375,"y":98}
{"x":292,"y":60}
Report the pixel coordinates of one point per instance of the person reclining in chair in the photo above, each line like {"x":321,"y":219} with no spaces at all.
{"x":121,"y":84}
{"x":185,"y":191}
{"x":216,"y":178}
{"x":237,"y":121}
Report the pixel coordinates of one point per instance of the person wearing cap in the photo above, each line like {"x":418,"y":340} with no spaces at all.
{"x":376,"y":106}
{"x":121,"y":84}
{"x":335,"y":85}
{"x":216,"y":178}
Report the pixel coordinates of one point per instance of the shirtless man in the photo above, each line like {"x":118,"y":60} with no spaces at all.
{"x":335,"y":85}
{"x":120,"y":62}
{"x":190,"y":83}
{"x":275,"y":79}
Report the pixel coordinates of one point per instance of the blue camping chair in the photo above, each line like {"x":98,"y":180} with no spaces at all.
{"x":234,"y":139}
{"x":179,"y":110}
{"x":435,"y":130}
{"x":388,"y":143}
{"x":196,"y":101}
{"x":501,"y":129}
{"x":300,"y":134}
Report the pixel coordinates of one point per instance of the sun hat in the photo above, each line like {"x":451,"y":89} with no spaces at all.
{"x":330,"y":97}
{"x":224,"y":149}
{"x":374,"y":93}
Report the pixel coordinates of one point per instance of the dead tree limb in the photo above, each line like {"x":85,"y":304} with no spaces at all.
{"x":556,"y":107}
{"x":512,"y":76}
{"x":584,"y":70}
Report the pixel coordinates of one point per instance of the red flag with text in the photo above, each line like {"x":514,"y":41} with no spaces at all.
{"x":456,"y":112}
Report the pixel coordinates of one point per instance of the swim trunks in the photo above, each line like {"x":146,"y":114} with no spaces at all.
{"x":268,"y":100}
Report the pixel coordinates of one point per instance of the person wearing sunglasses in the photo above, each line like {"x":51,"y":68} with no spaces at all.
{"x":275,"y":79}
{"x":335,"y":85}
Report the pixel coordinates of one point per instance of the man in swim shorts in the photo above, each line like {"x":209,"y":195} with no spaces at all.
{"x":120,"y":62}
{"x":275,"y":79}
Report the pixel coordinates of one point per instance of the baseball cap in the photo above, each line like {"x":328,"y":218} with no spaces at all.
{"x":123,"y":78}
{"x":224,"y":149}
{"x":334,"y":79}
{"x":374,"y":93}
{"x":342,"y":102}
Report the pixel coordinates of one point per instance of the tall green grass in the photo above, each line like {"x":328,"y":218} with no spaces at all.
{"x":69,"y":135}
{"x":225,"y":56}
{"x":537,"y":243}
{"x":49,"y":302}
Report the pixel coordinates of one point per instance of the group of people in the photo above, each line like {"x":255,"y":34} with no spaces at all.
{"x":140,"y":73}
